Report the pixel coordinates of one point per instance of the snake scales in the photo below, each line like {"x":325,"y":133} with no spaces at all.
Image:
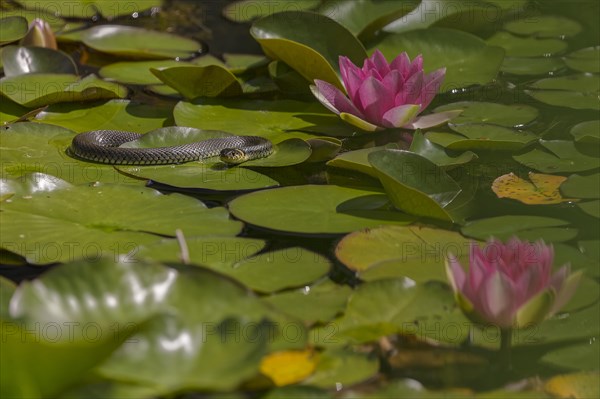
{"x":103,"y":146}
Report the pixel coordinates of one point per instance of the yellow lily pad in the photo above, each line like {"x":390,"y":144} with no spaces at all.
{"x":541,"y":189}
{"x":289,"y":367}
{"x":575,"y":385}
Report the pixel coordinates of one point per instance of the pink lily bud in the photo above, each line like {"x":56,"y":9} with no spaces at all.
{"x":381,"y":94}
{"x":511,"y":285}
{"x":39,"y":35}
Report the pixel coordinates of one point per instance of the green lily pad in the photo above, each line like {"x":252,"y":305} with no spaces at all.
{"x":12,"y":28}
{"x":587,"y":132}
{"x":514,"y":115}
{"x":55,"y":22}
{"x":88,"y":8}
{"x":358,"y":160}
{"x":312,"y":52}
{"x":577,"y":186}
{"x":590,"y":248}
{"x":527,"y":46}
{"x":563,"y":157}
{"x":128,"y":41}
{"x":424,"y":310}
{"x":585,"y":60}
{"x":40,"y":89}
{"x":278,"y":270}
{"x":544,"y":26}
{"x":197,"y":81}
{"x":365,"y":17}
{"x":274,"y":120}
{"x":37,"y":147}
{"x":153,"y":305}
{"x":242,"y":63}
{"x":22,"y":60}
{"x":72,"y":222}
{"x":531,"y":65}
{"x":578,"y":258}
{"x":11,"y":111}
{"x":323,"y":148}
{"x":482,"y":136}
{"x":575,"y":91}
{"x":213,"y":252}
{"x":467,"y":16}
{"x":294,"y":210}
{"x":248,"y":10}
{"x":112,"y":114}
{"x":436,"y":154}
{"x":418,"y":253}
{"x":590,"y":207}
{"x":525,"y":227}
{"x":319,"y":302}
{"x":342,"y":366}
{"x":468,"y":59}
{"x":137,"y":72}
{"x":414,"y":184}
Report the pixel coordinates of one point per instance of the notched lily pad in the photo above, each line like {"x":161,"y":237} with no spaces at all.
{"x":436,"y":154}
{"x":559,"y":156}
{"x":71,"y":222}
{"x":543,"y":189}
{"x":587,"y":132}
{"x":525,"y":227}
{"x":544,"y":26}
{"x":513,"y":115}
{"x":198,"y":81}
{"x":88,"y":8}
{"x":575,"y":91}
{"x":584,"y":60}
{"x":39,"y":89}
{"x":578,"y":186}
{"x":527,"y":46}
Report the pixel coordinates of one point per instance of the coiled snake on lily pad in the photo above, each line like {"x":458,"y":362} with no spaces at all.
{"x":103,"y":146}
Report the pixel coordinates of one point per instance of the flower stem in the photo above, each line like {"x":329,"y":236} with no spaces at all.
{"x":505,"y":347}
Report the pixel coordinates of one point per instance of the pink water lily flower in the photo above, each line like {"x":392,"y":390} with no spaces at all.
{"x":383,"y":95}
{"x":511,"y":285}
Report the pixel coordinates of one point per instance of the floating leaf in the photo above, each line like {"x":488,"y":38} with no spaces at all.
{"x":418,"y":253}
{"x":128,"y":41}
{"x":319,"y":302}
{"x":575,"y":91}
{"x":414,"y":184}
{"x":513,"y":115}
{"x":41,"y":89}
{"x":468,"y":59}
{"x":137,"y":72}
{"x":482,"y":136}
{"x":342,"y":367}
{"x":582,"y":186}
{"x":247,"y":10}
{"x":197,"y":81}
{"x":71,"y":222}
{"x":591,"y":208}
{"x":312,"y":52}
{"x":587,"y":132}
{"x":22,"y":60}
{"x":289,"y":367}
{"x":242,"y":63}
{"x":544,"y":26}
{"x":563,"y":157}
{"x":543,"y":189}
{"x":436,"y":154}
{"x":88,"y":8}
{"x":365,"y":17}
{"x":531,"y":65}
{"x":525,"y":227}
{"x":38,"y":147}
{"x":112,"y":114}
{"x":584,"y":60}
{"x":12,"y":28}
{"x":526,"y":46}
{"x":274,"y":271}
{"x":358,"y":160}
{"x":294,"y":209}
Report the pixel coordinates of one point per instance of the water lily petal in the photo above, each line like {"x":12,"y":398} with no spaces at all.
{"x":359,"y":123}
{"x":431,"y":120}
{"x":566,"y":291}
{"x":375,"y":100}
{"x":455,"y":273}
{"x":416,"y":65}
{"x":433,"y":82}
{"x":536,"y":309}
{"x":496,"y":300}
{"x":402,"y":64}
{"x":411,"y":92}
{"x":352,"y":76}
{"x":379,"y":62}
{"x":332,"y":98}
{"x":400,"y":116}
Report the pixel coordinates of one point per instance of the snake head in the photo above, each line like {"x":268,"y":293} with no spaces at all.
{"x":233,"y":156}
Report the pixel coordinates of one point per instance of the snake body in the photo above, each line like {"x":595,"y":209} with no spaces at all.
{"x":103,"y":146}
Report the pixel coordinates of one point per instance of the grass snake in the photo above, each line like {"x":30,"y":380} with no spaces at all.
{"x":103,"y":146}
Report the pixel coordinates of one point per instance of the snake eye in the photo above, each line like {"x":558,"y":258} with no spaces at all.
{"x":232,"y":156}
